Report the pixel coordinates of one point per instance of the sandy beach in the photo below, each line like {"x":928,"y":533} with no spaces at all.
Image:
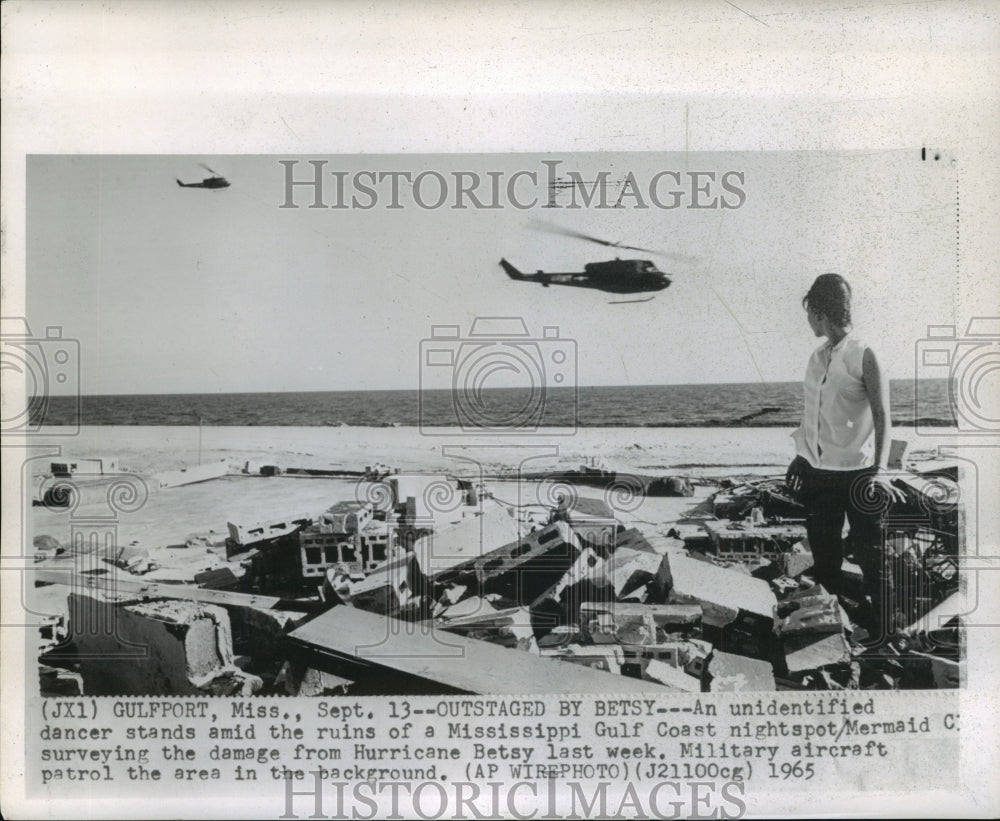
{"x":168,"y":515}
{"x":687,"y":451}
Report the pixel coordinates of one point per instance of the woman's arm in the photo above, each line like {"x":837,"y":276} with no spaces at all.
{"x":878,"y":396}
{"x":877,"y":387}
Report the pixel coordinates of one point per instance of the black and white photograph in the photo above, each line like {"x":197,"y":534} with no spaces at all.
{"x":530,"y":475}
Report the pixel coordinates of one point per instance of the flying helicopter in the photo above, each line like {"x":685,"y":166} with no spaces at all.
{"x":617,"y":276}
{"x":215,"y":181}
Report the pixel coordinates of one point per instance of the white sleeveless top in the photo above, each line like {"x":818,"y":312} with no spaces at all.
{"x":837,"y":428}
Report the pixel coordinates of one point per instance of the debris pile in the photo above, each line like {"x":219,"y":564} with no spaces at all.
{"x":436,"y":586}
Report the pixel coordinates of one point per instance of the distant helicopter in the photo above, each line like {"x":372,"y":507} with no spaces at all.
{"x":215,"y":181}
{"x":617,"y":276}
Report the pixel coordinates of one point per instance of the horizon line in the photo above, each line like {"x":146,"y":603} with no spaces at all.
{"x":441,"y":390}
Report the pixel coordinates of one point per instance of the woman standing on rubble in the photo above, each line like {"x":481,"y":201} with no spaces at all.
{"x":842,"y":451}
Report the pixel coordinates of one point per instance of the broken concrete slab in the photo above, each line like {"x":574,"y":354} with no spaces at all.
{"x":641,"y":574}
{"x":671,"y":676}
{"x":607,"y":658}
{"x":522,"y":570}
{"x":944,"y":673}
{"x":56,"y":681}
{"x":136,"y":588}
{"x":368,"y":648}
{"x":217,"y":578}
{"x":298,"y":680}
{"x":190,"y":475}
{"x":721,"y":592}
{"x":592,"y":521}
{"x":508,"y":628}
{"x":811,"y":652}
{"x":728,"y":673}
{"x":469,"y":539}
{"x":449,"y":597}
{"x":164,"y":647}
{"x":46,"y":547}
{"x":134,"y":559}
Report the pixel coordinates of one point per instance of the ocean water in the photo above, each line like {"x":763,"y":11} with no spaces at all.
{"x":775,"y":404}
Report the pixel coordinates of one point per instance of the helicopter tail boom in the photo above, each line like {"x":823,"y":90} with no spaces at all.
{"x":511,"y":271}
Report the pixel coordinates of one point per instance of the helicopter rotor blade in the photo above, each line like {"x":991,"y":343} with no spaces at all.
{"x":209,"y":170}
{"x":568,"y":232}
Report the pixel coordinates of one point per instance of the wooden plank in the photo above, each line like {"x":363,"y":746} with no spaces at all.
{"x":452,"y":662}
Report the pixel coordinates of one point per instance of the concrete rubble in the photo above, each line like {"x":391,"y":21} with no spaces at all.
{"x":722,"y":602}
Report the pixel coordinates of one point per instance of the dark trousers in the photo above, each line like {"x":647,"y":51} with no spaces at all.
{"x":829,"y":496}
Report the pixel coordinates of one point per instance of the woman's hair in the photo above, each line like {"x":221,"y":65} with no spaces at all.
{"x":830,"y":296}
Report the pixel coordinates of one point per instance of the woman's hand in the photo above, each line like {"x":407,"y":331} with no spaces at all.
{"x":793,"y":476}
{"x":880,"y":484}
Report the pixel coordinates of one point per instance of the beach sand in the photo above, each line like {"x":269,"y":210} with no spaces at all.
{"x":169,"y":514}
{"x":688,"y":451}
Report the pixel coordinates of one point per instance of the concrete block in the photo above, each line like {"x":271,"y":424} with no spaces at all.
{"x":522,"y":570}
{"x":244,"y":535}
{"x":754,"y":543}
{"x":818,"y":613}
{"x":798,"y":559}
{"x":389,"y":587}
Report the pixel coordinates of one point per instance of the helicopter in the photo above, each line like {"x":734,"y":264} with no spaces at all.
{"x":617,"y":276}
{"x":215,"y":181}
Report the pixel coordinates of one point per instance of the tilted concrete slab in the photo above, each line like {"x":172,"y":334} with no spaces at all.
{"x":369,"y":646}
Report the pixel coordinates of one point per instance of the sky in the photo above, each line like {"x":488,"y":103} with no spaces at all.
{"x":185,"y":290}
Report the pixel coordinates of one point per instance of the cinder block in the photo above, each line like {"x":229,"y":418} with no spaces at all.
{"x":522,"y":570}
{"x":818,"y":613}
{"x":641,"y":624}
